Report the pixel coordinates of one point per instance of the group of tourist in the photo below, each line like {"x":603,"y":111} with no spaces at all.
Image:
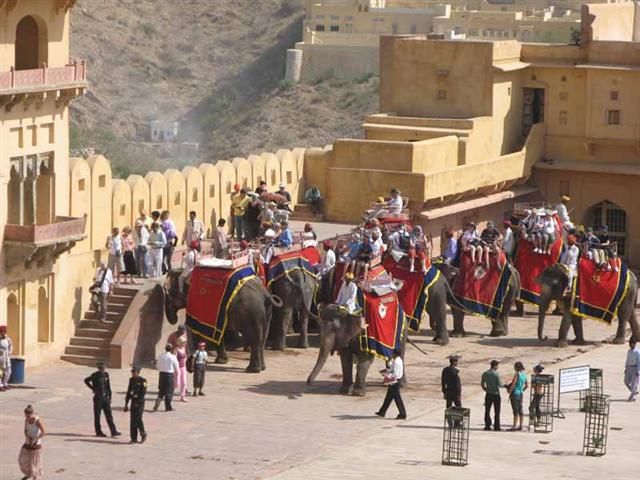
{"x":538,"y":226}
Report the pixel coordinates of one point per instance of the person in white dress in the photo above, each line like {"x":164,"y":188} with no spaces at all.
{"x":348,"y":297}
{"x":194,"y":230}
{"x":632,"y":369}
{"x":395,"y":203}
{"x":563,"y":213}
{"x":189,"y":262}
{"x":569,"y":259}
{"x":6,"y":349}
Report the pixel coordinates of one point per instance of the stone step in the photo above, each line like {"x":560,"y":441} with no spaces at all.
{"x":94,"y":332}
{"x":112,"y":317}
{"x":83,"y":359}
{"x":128,"y":292}
{"x":96,"y":352}
{"x":115,"y":299}
{"x":91,"y":323}
{"x":90,"y":341}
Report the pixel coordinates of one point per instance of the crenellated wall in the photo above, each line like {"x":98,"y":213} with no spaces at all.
{"x":205,"y":189}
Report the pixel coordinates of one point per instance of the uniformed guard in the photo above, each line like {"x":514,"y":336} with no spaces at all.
{"x":99,"y":383}
{"x":136,"y":391}
{"x":451,"y":385}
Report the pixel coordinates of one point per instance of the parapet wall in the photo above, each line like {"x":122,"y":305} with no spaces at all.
{"x":110,"y":202}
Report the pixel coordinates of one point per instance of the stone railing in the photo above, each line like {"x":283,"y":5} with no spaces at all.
{"x":63,"y":229}
{"x":20,"y":79}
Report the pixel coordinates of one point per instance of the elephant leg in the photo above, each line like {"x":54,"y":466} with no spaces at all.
{"x":542,"y":312}
{"x":565,"y":324}
{"x":303,"y":341}
{"x":458,"y":323}
{"x":519,"y":312}
{"x":282,"y":327}
{"x":255,"y":364}
{"x":621,"y":331}
{"x":221,"y":357}
{"x":576,"y":322}
{"x":362,"y":369}
{"x":346,"y":361}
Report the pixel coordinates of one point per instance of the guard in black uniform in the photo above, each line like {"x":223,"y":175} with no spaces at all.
{"x":99,"y":383}
{"x":136,"y":391}
{"x":451,"y":385}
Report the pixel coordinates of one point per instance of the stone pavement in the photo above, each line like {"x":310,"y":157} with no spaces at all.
{"x":273,"y":425}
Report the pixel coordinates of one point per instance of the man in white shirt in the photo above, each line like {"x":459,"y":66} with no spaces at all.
{"x":395,"y":203}
{"x":140,"y":236}
{"x":632,"y":369}
{"x":392,"y":375}
{"x":101,"y":289}
{"x":189,"y":262}
{"x":508,"y":241}
{"x":167,"y":365}
{"x":328,"y":263}
{"x":563,"y":212}
{"x":570,"y":259}
{"x":194,"y":230}
{"x":157,"y":241}
{"x":347,"y":296}
{"x":266,"y":254}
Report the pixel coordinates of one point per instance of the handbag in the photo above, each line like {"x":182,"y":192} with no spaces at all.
{"x":191,"y":361}
{"x":388,"y":379}
{"x":95,"y":288}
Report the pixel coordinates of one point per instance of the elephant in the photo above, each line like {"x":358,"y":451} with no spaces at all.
{"x":499,"y":326}
{"x":339,"y":332}
{"x":249,"y":313}
{"x":554,"y":282}
{"x":439,"y":296}
{"x":297,"y":290}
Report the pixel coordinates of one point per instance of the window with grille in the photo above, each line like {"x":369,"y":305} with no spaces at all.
{"x":319,"y":28}
{"x":176,"y":199}
{"x":442,"y":94}
{"x":102,"y":181}
{"x":613,"y":95}
{"x":334,"y":28}
{"x":613,"y":117}
{"x":615,"y":218}
{"x":194,"y":194}
{"x":212,"y":191}
{"x":158,"y":201}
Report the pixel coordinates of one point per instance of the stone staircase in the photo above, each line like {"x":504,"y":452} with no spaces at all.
{"x":303,"y":213}
{"x":90,"y":344}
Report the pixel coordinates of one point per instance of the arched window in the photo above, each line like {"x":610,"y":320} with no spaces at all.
{"x":31,"y":44}
{"x":13,"y":323}
{"x":615,"y":218}
{"x":43,"y":315}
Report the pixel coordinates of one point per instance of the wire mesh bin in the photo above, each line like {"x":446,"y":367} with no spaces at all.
{"x":541,"y":407}
{"x":595,"y":386}
{"x":455,"y":442}
{"x":596,"y":425}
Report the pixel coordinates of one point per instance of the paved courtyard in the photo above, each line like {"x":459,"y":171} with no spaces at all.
{"x":272,"y":425}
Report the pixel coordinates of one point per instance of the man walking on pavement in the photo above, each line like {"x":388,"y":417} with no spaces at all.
{"x":168,"y":367}
{"x":491,"y":384}
{"x":632,"y":369}
{"x":451,"y":385}
{"x":99,"y":383}
{"x":136,"y":391}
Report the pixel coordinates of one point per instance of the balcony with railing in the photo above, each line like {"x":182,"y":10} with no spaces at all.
{"x":66,"y":82}
{"x":25,"y":244}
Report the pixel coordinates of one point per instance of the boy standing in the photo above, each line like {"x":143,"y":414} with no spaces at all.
{"x":199,"y":368}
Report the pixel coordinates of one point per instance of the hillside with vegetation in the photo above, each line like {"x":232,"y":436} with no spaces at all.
{"x":215,"y":66}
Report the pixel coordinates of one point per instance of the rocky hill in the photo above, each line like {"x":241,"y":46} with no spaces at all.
{"x":216,"y":66}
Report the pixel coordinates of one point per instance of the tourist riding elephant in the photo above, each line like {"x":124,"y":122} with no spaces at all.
{"x":249,"y":313}
{"x":554,"y":282}
{"x":499,"y":326}
{"x":339,"y":332}
{"x":297,"y":290}
{"x":439,"y":295}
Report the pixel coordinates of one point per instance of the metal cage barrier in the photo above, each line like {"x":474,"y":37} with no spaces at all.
{"x":595,"y":386}
{"x":596,"y":425}
{"x":455,"y":442}
{"x":541,"y":406}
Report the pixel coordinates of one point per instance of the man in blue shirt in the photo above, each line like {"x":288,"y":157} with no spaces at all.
{"x":285,"y":239}
{"x":451,"y":247}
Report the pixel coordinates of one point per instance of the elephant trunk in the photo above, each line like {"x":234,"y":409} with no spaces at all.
{"x":323,"y":354}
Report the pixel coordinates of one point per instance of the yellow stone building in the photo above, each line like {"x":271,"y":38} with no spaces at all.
{"x":468,"y":128}
{"x":56,"y":212}
{"x":341,"y":37}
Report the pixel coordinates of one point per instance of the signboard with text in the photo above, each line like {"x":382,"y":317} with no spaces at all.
{"x":574,"y":379}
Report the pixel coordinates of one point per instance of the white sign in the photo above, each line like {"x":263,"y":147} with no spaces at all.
{"x":574,"y":379}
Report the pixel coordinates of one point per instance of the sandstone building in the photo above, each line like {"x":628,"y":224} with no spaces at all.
{"x":341,"y":37}
{"x":470,"y":127}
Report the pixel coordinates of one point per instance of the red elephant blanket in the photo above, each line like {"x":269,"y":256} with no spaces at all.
{"x":385,"y":319}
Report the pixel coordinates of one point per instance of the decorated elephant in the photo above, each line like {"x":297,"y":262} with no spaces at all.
{"x":249,"y":313}
{"x":340,"y":332}
{"x":554,"y":282}
{"x":297,"y":290}
{"x":499,"y":325}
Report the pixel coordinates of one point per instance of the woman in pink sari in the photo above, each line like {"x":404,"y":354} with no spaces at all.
{"x":180,"y":382}
{"x":30,"y":458}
